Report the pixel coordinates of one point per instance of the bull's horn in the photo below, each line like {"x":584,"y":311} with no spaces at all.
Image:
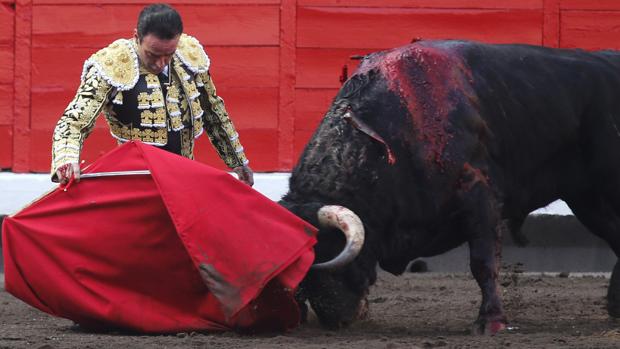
{"x":344,"y":219}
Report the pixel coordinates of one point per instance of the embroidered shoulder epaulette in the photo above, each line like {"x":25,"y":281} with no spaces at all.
{"x":117,"y":64}
{"x":192,"y":54}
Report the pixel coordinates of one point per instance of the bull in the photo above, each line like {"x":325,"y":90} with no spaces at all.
{"x":440,"y":143}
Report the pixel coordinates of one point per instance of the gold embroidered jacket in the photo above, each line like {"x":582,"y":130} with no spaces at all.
{"x":137,"y":107}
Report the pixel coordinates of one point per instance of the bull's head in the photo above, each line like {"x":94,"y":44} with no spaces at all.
{"x":341,"y":165}
{"x":334,"y":287}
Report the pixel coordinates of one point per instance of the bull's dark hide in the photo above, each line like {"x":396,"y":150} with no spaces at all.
{"x":444,"y":142}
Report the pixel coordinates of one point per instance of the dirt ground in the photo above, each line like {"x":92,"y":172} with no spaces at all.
{"x":428,"y":310}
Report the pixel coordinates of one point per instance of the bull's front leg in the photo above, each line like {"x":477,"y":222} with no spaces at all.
{"x":484,"y":262}
{"x":484,"y":228}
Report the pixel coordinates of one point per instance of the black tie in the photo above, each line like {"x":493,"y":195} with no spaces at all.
{"x":164,"y":81}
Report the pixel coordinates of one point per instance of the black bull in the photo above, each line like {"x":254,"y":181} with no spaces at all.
{"x":444,"y":142}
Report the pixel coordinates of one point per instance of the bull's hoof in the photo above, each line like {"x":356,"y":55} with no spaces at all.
{"x":363,"y":312}
{"x":303,"y":312}
{"x":613,"y":293}
{"x":613,"y":308}
{"x":488,"y":328}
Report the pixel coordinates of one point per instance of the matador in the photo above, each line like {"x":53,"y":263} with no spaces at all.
{"x":155,"y":88}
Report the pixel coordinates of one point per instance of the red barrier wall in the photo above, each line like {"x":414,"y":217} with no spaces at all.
{"x":7,"y":52}
{"x":276,"y":62}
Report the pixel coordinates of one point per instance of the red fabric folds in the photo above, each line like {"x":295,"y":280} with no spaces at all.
{"x":186,"y":248}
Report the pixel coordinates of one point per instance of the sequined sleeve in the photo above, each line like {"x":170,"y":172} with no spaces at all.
{"x":218,"y":125}
{"x":78,"y":120}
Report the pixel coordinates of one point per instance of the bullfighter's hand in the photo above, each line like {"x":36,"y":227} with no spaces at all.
{"x":245,"y":174}
{"x":68,"y":170}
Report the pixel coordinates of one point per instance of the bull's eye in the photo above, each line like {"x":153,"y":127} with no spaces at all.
{"x":342,"y":108}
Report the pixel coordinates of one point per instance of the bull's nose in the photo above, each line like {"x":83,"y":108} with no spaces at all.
{"x":362,"y":313}
{"x":336,"y":325}
{"x":344,"y":324}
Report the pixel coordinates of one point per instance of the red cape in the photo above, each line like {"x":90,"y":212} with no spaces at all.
{"x":187,"y":248}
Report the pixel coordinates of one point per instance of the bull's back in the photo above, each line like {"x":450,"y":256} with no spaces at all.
{"x":530,"y":87}
{"x":547,"y":109}
{"x":540,"y":106}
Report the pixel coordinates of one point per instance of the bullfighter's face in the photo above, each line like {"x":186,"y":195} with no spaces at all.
{"x":156,"y":53}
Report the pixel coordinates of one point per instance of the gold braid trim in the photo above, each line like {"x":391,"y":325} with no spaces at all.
{"x":78,"y":120}
{"x":219,"y":127}
{"x":192,"y":54}
{"x":117,"y":64}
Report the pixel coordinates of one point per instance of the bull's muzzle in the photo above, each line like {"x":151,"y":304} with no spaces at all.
{"x":349,"y":223}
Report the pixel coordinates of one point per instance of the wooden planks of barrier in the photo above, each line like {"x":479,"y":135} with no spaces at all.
{"x":276,"y":63}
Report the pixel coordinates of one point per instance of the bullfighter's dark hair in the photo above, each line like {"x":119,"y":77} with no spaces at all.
{"x":161,"y":20}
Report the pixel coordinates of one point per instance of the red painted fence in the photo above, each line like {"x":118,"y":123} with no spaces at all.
{"x":276,"y":62}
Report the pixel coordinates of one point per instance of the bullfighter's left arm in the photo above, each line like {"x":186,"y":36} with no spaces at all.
{"x":218,"y":125}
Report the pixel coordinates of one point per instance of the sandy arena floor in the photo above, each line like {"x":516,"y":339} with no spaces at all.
{"x":428,"y":310}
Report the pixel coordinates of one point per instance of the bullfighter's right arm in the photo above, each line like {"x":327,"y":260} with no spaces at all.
{"x":78,"y":120}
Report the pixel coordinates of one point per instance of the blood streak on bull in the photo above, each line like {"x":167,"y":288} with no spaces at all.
{"x":439,"y":68}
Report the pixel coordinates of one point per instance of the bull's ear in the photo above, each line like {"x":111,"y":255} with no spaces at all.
{"x":362,"y":126}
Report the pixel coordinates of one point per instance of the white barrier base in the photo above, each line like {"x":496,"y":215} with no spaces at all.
{"x":18,"y":190}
